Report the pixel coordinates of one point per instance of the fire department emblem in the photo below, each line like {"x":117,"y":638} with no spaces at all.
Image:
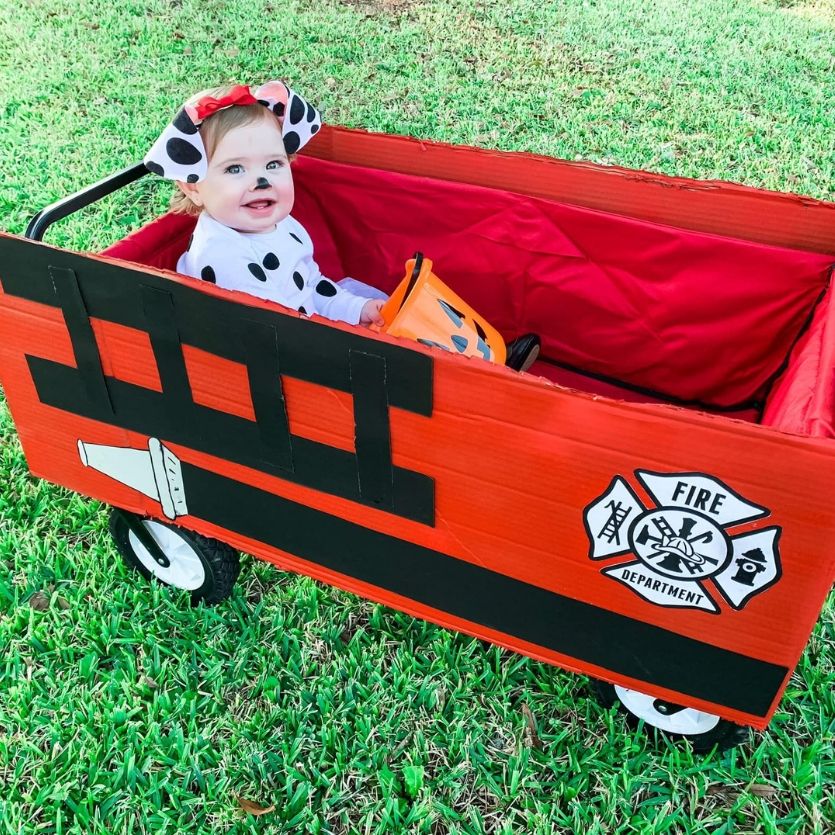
{"x":683,"y":549}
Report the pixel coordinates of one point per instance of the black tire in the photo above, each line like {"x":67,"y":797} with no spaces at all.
{"x":722,"y":736}
{"x":220,"y":563}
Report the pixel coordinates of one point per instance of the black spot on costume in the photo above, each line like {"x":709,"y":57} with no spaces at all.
{"x":256,"y":270}
{"x":297,"y":110}
{"x":325,"y":288}
{"x":208,"y":274}
{"x":298,"y":280}
{"x":184,"y":124}
{"x":291,"y":142}
{"x":182,"y":152}
{"x":271,"y":261}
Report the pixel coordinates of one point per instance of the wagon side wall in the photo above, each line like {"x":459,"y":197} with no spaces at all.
{"x":802,"y":399}
{"x":449,"y":488}
{"x":715,"y":206}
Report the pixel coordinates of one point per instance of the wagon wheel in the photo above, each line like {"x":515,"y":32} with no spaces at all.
{"x":177,"y":557}
{"x":702,"y":730}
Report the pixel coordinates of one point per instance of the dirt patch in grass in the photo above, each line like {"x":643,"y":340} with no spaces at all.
{"x":381,"y":7}
{"x":815,"y":9}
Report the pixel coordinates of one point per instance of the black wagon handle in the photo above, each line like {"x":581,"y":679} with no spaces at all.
{"x":62,"y":208}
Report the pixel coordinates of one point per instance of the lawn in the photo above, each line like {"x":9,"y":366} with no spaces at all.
{"x":123,"y":710}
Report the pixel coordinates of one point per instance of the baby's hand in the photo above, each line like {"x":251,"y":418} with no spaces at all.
{"x":370,"y":314}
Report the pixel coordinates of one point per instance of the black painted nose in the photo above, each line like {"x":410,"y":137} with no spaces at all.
{"x":262,"y":183}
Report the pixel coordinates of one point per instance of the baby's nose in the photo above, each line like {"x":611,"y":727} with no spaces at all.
{"x":262,"y":183}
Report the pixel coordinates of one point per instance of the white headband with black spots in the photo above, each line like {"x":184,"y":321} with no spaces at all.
{"x":179,"y":153}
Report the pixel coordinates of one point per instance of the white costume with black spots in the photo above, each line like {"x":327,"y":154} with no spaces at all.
{"x":275,"y":265}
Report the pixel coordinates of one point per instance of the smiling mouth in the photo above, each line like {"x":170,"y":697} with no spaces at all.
{"x":259,"y":204}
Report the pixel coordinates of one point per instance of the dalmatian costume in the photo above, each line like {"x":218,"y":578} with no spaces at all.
{"x":276,"y":265}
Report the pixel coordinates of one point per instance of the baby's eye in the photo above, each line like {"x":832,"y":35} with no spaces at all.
{"x":234,"y":169}
{"x":276,"y":163}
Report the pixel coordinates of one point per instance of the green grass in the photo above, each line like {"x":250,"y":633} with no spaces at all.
{"x":122,"y":710}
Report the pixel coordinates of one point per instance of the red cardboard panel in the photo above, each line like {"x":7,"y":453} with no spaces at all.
{"x":683,"y":554}
{"x":705,"y":205}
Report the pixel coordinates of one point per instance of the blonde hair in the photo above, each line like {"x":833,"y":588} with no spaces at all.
{"x":212,"y":131}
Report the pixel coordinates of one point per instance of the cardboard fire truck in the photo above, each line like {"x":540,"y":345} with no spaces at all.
{"x":649,"y":504}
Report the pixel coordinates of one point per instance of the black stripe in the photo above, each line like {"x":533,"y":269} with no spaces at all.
{"x":309,"y":350}
{"x":83,"y":340}
{"x":264,"y":372}
{"x":372,"y":430}
{"x":227,"y":436}
{"x":161,"y":324}
{"x":579,"y":630}
{"x":176,"y":315}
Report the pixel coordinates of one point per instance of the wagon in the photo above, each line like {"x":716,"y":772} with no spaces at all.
{"x":649,"y":505}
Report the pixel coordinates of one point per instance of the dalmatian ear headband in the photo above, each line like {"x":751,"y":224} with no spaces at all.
{"x":179,"y":153}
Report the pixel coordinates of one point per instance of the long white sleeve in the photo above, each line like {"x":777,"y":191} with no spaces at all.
{"x":328,"y":299}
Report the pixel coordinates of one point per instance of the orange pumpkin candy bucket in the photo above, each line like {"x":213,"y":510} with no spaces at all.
{"x":423,"y":308}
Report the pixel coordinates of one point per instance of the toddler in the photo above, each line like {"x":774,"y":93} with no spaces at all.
{"x":229,"y":151}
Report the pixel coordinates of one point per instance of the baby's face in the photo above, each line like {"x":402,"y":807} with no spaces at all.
{"x":248,"y":185}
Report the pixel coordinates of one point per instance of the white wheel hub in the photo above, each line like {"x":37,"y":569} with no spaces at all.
{"x":185,"y":569}
{"x":688,"y":721}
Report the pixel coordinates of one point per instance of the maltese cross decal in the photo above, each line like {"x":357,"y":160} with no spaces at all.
{"x":684,"y":548}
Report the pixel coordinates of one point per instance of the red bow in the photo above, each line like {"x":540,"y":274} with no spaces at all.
{"x":239,"y":95}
